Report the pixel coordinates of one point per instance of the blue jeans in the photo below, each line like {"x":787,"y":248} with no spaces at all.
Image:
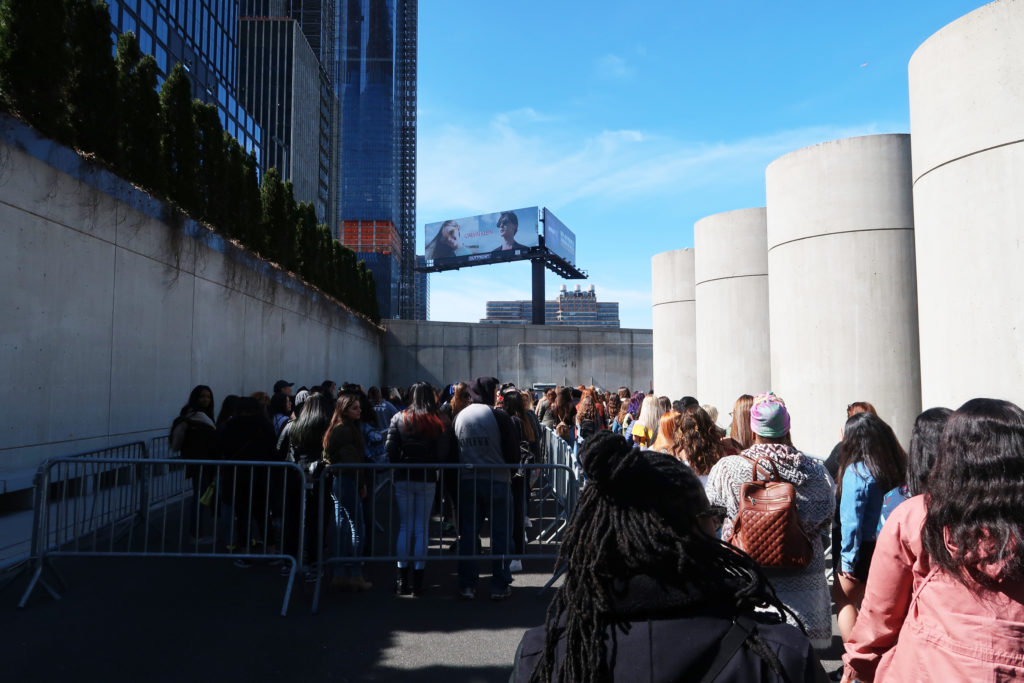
{"x":415,"y":498}
{"x":479,"y":498}
{"x":345,"y":534}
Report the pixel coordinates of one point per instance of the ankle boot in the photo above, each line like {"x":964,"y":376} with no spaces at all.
{"x":402,"y":581}
{"x":417,"y":581}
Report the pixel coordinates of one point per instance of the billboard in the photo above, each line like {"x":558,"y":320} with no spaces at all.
{"x":480,"y":239}
{"x":558,"y":238}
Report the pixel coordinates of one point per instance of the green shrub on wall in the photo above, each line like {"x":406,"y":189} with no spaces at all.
{"x":94,"y":106}
{"x":34,"y":63}
{"x":57,"y":73}
{"x":139,"y":135}
{"x":178,"y":140}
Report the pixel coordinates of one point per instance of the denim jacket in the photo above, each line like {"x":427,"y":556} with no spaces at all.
{"x":859,"y":511}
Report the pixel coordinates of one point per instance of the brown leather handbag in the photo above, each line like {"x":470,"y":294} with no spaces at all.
{"x":767,"y":526}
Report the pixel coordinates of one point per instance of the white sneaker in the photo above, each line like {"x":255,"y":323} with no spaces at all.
{"x":527,"y":524}
{"x":515,"y":566}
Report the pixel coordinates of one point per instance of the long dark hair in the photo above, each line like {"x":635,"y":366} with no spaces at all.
{"x":227,"y":409}
{"x":345,"y":400}
{"x":193,"y":401}
{"x":868,"y":440}
{"x":307,"y":432}
{"x":562,"y":409}
{"x":421,"y":416}
{"x":975,"y":491}
{"x":279,"y":404}
{"x":512,"y":402}
{"x":638,"y":516}
{"x":924,"y":445}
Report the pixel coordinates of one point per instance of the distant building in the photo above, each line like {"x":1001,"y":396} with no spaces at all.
{"x":421,"y":306}
{"x":379,"y":245}
{"x":576,"y":307}
{"x":284,"y":85}
{"x":376,"y":84}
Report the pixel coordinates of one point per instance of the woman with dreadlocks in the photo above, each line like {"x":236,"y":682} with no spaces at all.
{"x":650,"y":593}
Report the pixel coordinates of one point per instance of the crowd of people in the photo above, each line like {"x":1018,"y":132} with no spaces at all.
{"x":669,"y":574}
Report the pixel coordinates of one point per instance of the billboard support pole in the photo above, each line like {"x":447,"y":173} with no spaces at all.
{"x":538,"y":291}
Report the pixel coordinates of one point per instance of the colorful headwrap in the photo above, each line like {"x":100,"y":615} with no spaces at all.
{"x":768,"y":416}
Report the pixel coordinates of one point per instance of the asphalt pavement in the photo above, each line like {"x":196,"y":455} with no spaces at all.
{"x":202,"y":619}
{"x":206,"y":620}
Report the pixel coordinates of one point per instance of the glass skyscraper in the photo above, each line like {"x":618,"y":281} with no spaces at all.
{"x":282,"y":82}
{"x":203,"y":36}
{"x":421,"y":309}
{"x":376,"y":84}
{"x":287,"y":76}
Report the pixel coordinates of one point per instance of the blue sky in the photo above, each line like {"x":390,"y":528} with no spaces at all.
{"x":631,"y":121}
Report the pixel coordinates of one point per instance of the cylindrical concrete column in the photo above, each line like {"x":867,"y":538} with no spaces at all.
{"x":674,"y":320}
{"x":967,"y":119}
{"x":731,"y":284}
{"x":842,"y":294}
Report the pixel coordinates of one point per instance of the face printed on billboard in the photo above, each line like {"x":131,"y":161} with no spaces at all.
{"x":483,"y":238}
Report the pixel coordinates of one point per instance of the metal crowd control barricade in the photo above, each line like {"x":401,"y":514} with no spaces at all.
{"x":359,"y":519}
{"x":135,"y":450}
{"x":554,"y":482}
{"x":115,"y":507}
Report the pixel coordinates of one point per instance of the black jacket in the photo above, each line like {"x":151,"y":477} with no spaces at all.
{"x":669,"y":638}
{"x":403,"y":446}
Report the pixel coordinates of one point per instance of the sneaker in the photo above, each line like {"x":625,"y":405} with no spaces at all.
{"x":242,"y":564}
{"x":515,"y":566}
{"x":467,"y":593}
{"x":310,"y":576}
{"x":503,"y":594}
{"x":527,"y":524}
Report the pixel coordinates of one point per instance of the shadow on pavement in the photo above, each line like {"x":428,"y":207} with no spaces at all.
{"x":163,"y":619}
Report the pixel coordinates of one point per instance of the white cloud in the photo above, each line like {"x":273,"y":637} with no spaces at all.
{"x":465,"y":170}
{"x":620,"y":188}
{"x":613,"y":66}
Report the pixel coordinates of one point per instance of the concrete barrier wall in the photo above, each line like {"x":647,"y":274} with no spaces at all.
{"x":731,"y":286}
{"x":967,"y":119}
{"x":675,"y":323}
{"x":445,"y":352}
{"x":111,"y":314}
{"x":843,"y":301}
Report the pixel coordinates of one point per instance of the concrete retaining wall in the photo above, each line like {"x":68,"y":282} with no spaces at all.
{"x":445,"y":352}
{"x":731,"y":286}
{"x":967,"y":119}
{"x":113,"y":310}
{"x":675,"y":323}
{"x":843,"y":299}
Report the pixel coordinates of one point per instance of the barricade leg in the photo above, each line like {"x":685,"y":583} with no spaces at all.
{"x":39,"y":579}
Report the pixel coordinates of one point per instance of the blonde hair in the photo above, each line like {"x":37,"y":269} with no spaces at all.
{"x":650,"y":413}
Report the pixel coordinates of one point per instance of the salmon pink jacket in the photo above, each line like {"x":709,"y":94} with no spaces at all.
{"x":917,"y":623}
